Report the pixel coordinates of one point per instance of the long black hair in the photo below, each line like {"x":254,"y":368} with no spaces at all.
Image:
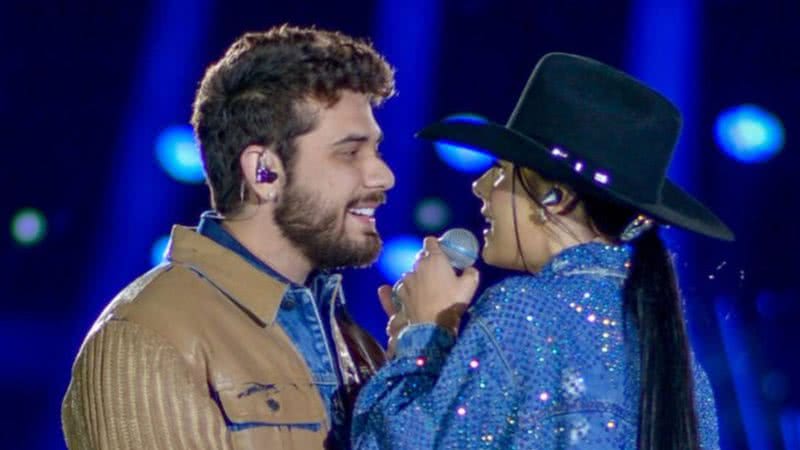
{"x":667,"y":415}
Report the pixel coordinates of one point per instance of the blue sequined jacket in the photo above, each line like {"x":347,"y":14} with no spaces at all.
{"x":544,"y":362}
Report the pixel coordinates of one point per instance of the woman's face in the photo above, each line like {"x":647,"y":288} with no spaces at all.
{"x":500,"y":247}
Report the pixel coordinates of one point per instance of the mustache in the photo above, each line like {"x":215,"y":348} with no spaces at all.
{"x":376,"y":197}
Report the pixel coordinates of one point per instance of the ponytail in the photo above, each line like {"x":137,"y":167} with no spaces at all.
{"x":667,"y":417}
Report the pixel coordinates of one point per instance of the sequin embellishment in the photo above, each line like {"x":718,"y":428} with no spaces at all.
{"x":543,"y":362}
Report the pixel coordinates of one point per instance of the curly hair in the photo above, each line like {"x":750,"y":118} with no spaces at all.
{"x":254,"y":94}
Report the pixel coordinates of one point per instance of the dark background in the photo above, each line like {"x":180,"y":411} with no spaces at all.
{"x":87,"y":86}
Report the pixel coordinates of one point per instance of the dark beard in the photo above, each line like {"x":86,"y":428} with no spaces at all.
{"x":304,"y":220}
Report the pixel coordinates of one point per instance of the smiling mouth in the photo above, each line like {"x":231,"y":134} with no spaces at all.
{"x":362,"y":212}
{"x":364,"y":208}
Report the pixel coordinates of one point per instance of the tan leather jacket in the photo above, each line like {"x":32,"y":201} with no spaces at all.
{"x":189,"y":356}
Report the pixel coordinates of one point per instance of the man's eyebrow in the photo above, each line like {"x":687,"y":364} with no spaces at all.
{"x":356,"y":138}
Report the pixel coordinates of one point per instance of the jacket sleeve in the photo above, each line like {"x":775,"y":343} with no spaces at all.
{"x":132,"y":390}
{"x":438,"y":393}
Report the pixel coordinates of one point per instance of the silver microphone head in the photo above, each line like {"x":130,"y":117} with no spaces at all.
{"x":460,"y":246}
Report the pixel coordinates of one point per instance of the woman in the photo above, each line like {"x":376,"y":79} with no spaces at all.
{"x":585,"y":347}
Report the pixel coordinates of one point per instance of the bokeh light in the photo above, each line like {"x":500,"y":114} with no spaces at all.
{"x":749,"y":133}
{"x":179,"y":155}
{"x":432,"y":214}
{"x":159,"y":250}
{"x":28,"y":226}
{"x":398,"y":256}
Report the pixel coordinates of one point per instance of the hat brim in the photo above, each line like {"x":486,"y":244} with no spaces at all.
{"x":675,"y":207}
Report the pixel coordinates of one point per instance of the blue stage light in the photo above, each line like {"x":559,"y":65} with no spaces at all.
{"x":432,"y":214}
{"x":790,"y":428}
{"x":28,"y":227}
{"x":179,"y":155}
{"x":751,"y":402}
{"x":398,"y":256}
{"x":749,"y":133}
{"x":159,"y":250}
{"x":464,"y":158}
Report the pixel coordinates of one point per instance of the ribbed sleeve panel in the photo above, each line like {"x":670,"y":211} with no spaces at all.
{"x":132,"y":390}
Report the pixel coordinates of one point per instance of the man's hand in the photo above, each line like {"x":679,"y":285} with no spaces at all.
{"x":397,"y":319}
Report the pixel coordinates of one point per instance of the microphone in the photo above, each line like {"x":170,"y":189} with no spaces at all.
{"x":461,"y":248}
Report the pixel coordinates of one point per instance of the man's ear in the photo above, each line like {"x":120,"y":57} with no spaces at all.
{"x":256,"y":161}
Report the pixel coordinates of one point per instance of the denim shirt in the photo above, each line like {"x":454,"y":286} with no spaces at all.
{"x":544,"y":362}
{"x":305,"y":314}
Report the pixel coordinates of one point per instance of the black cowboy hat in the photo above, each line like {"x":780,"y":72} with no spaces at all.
{"x":597,"y":129}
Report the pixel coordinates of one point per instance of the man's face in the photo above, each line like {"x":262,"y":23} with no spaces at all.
{"x":338,"y":179}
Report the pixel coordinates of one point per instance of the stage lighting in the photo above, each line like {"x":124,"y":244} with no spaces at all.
{"x":432,"y":214}
{"x":790,"y":428}
{"x":749,"y":133}
{"x":398,"y":256}
{"x":463,"y":158}
{"x":28,"y":227}
{"x":159,"y":250}
{"x":179,"y":155}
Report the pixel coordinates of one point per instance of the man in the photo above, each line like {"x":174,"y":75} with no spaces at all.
{"x":240,"y":340}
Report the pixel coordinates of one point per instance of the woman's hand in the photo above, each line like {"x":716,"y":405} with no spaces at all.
{"x":433,"y":293}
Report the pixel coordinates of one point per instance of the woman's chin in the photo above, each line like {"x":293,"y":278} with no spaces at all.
{"x":488,"y":255}
{"x":501,"y":261}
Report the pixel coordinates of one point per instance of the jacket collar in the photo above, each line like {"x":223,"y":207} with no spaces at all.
{"x":592,"y":256}
{"x":249,"y":287}
{"x":319,"y":282}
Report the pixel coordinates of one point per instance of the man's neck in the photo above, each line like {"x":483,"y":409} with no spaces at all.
{"x":267,"y":243}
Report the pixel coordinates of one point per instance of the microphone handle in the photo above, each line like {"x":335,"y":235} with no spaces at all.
{"x":398,"y":305}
